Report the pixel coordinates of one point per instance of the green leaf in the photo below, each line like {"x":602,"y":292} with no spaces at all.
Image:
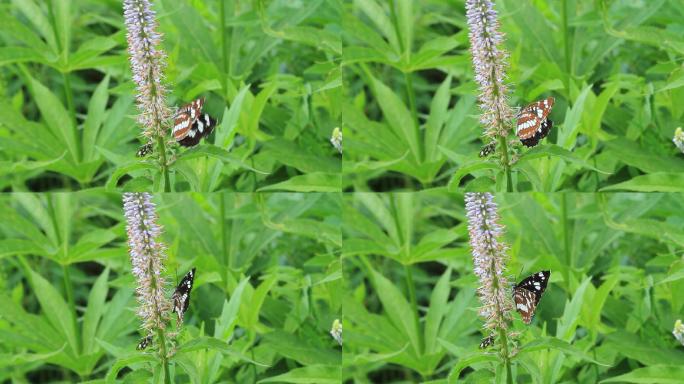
{"x":662,"y":374}
{"x":323,"y":374}
{"x":131,"y":361}
{"x":654,"y":182}
{"x":226,"y":322}
{"x":95,"y":117}
{"x":468,"y":169}
{"x":436,"y":311}
{"x":553,"y":343}
{"x":56,"y":117}
{"x":302,"y":350}
{"x":55,"y":309}
{"x":217,"y":345}
{"x":397,"y":115}
{"x":94,"y":311}
{"x":397,"y":308}
{"x":554,"y":150}
{"x":439,"y":108}
{"x":310,"y":182}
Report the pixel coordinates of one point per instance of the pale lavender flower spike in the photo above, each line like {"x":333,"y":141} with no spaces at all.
{"x":489,"y":62}
{"x":489,"y":259}
{"x":148,"y":254}
{"x":147,"y":65}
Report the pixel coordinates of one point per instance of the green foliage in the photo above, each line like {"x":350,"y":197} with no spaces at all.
{"x":411,"y":117}
{"x":410,"y":307}
{"x":268,"y":278}
{"x":269,"y":71}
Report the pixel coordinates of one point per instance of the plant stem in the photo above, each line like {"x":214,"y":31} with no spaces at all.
{"x":566,"y":42}
{"x":161,"y":148}
{"x":414,"y":306}
{"x":161,"y":340}
{"x":503,"y":150}
{"x":566,"y":238}
{"x":68,"y":288}
{"x":414,"y":114}
{"x":72,"y":114}
{"x":503,"y":338}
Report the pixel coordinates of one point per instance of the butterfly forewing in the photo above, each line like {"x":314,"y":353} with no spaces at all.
{"x":181,"y":296}
{"x":202,"y":127}
{"x":528,"y":292}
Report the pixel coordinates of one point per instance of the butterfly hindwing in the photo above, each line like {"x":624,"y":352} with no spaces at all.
{"x":181,"y":296}
{"x":528,"y":292}
{"x":533,"y":124}
{"x":191,"y":125}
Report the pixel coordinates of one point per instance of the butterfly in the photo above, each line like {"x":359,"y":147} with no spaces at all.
{"x":181,"y":296}
{"x":528,"y":292}
{"x":488,"y":149}
{"x":487,"y":341}
{"x":144,"y":343}
{"x":533,"y":123}
{"x":190,"y":124}
{"x":144,"y":150}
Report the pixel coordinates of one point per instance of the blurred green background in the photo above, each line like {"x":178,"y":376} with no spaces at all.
{"x":614,"y":68}
{"x":617,"y":273}
{"x":267,"y":288}
{"x":268,"y":69}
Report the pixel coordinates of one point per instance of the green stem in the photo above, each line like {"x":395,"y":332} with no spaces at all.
{"x":161,"y":339}
{"x":566,"y":238}
{"x":414,"y":306}
{"x":161,"y":149}
{"x":68,"y":288}
{"x":503,"y":150}
{"x":414,"y":114}
{"x":566,"y":41}
{"x":68,"y":92}
{"x":503,"y":337}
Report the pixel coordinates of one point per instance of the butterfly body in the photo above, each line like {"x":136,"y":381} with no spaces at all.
{"x":533,"y":123}
{"x":181,"y":296}
{"x":191,"y":125}
{"x":528,"y":292}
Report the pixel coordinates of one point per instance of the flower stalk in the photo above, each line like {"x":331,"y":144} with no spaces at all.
{"x":147,"y":65}
{"x":490,"y":63}
{"x":148,"y":254}
{"x":489,"y":259}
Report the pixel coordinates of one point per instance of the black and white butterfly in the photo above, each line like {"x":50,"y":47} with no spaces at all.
{"x":144,"y":343}
{"x":527,"y":293}
{"x":487,"y":341}
{"x":144,"y":150}
{"x":190,"y":124}
{"x":181,"y":296}
{"x":488,"y":149}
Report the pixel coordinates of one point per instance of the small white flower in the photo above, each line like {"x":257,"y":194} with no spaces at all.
{"x":336,"y":139}
{"x":678,"y":331}
{"x":336,"y":331}
{"x":678,"y":139}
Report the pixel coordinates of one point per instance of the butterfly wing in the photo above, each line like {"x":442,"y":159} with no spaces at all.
{"x":533,"y":124}
{"x":181,"y":296}
{"x":525,"y":303}
{"x":487,"y":341}
{"x":202,"y":127}
{"x":528,"y":292}
{"x":144,"y":343}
